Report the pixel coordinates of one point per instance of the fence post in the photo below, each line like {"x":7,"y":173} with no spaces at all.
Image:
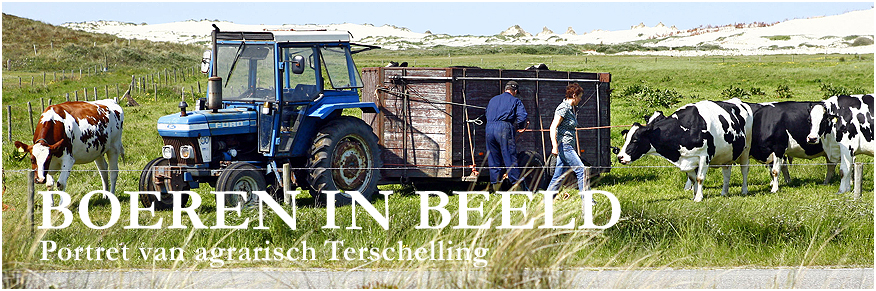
{"x":859,"y":169}
{"x":77,"y":95}
{"x":30,"y":194}
{"x":67,"y":97}
{"x":42,"y":102}
{"x":287,"y":183}
{"x":30,"y":113}
{"x":9,"y":124}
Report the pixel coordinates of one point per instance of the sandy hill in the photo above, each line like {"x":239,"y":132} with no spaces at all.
{"x":849,"y":33}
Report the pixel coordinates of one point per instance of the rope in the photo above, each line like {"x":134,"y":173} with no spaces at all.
{"x":426,"y":100}
{"x":584,"y":128}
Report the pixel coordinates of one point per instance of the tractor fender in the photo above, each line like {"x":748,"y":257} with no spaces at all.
{"x":324,"y":110}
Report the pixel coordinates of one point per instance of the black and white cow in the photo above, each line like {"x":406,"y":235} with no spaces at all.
{"x":694,"y":137}
{"x":844,"y":126}
{"x":778,"y":132}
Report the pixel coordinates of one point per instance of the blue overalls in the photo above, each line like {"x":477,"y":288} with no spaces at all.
{"x":505,"y":114}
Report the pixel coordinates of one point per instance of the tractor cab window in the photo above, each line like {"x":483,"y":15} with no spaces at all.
{"x":299,"y":75}
{"x":247,"y":71}
{"x":339,"y":66}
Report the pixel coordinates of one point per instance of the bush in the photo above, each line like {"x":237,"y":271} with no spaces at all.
{"x":778,"y":37}
{"x":783,"y":91}
{"x":830,"y":90}
{"x":862,"y":41}
{"x":735,"y":92}
{"x":650,"y":97}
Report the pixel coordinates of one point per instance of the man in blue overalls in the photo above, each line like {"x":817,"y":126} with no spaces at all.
{"x":505,"y":118}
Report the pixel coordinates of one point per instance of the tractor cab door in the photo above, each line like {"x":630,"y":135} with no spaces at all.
{"x":300,"y":86}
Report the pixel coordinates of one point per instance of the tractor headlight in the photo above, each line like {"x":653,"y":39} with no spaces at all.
{"x":167,"y":152}
{"x":185,"y":151}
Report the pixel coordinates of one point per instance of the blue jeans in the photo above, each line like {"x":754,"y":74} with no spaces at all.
{"x":568,"y":160}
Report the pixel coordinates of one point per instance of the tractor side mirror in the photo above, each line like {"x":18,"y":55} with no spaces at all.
{"x":205,"y":61}
{"x":297,"y":65}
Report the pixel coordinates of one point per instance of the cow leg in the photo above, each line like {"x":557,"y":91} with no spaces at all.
{"x":744,"y":167}
{"x":113,"y":170}
{"x":831,"y":170}
{"x":846,"y":161}
{"x":701,"y":176}
{"x":690,"y":177}
{"x":785,"y":172}
{"x":63,"y":175}
{"x":726,"y":187}
{"x":774,"y":172}
{"x":101,"y":169}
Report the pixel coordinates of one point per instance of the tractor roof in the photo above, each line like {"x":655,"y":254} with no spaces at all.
{"x":311,"y":36}
{"x":288,"y":36}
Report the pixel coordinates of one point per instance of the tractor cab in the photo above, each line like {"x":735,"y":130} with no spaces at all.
{"x":270,"y":94}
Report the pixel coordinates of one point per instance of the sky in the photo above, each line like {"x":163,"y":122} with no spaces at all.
{"x":454,"y":18}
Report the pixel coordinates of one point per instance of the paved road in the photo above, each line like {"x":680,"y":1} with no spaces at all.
{"x":322,"y":279}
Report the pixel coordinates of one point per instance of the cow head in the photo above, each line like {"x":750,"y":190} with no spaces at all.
{"x":637,"y":143}
{"x":820,"y":122}
{"x":40,"y":156}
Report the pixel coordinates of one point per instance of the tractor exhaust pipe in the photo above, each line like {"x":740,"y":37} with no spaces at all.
{"x":214,"y":83}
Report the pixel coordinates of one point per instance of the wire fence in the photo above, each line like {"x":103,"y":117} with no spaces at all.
{"x":431,"y":167}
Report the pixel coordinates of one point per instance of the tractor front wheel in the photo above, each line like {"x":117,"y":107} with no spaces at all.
{"x":240,"y":177}
{"x":147,"y":183}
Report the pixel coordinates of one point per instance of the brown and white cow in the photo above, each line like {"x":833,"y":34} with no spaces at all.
{"x":76,"y":133}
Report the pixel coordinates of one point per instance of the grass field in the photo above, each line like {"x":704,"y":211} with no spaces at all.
{"x":804,"y":224}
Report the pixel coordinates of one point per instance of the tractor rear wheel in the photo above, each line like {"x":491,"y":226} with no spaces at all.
{"x":240,"y":177}
{"x":533,"y":172}
{"x":344,"y":157}
{"x":147,"y":184}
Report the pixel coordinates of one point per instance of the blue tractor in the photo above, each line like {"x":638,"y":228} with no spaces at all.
{"x":273,"y":97}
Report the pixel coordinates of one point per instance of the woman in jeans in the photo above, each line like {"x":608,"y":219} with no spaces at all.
{"x":563,"y":139}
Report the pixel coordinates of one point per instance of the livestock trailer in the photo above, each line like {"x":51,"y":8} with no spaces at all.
{"x":430,"y":123}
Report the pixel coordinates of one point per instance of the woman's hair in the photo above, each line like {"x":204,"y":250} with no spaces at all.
{"x":573,"y":90}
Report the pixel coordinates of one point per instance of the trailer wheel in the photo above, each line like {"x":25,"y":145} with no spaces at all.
{"x":344,"y":157}
{"x":533,"y":171}
{"x":243,"y":177}
{"x":147,"y":184}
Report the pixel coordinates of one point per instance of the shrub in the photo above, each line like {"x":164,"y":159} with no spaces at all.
{"x":651,"y":97}
{"x":778,"y":37}
{"x":830,"y":90}
{"x":756,"y":91}
{"x":783,"y":91}
{"x":862,"y":41}
{"x":735,"y":92}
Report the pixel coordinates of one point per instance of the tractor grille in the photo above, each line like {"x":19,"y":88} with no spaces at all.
{"x":177,"y":142}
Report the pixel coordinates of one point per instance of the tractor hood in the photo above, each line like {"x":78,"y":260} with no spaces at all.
{"x":207,"y":123}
